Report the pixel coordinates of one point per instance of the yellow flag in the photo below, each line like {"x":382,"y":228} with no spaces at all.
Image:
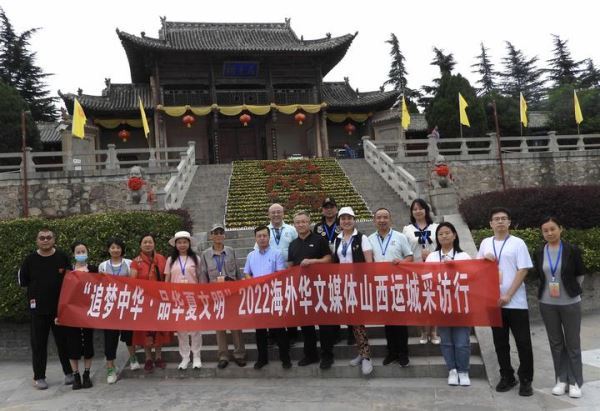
{"x":144,"y":119}
{"x":79,"y":119}
{"x":405,"y":115}
{"x":523,"y":106}
{"x":462,"y":105}
{"x":578,"y":115}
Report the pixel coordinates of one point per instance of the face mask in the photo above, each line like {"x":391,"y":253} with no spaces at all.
{"x":81,"y":258}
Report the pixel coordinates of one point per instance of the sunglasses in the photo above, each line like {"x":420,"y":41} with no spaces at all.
{"x":45,"y":237}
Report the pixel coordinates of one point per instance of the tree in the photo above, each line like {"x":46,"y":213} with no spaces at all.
{"x":443,"y":108}
{"x":563,"y":69}
{"x":445,"y":62}
{"x":590,"y":76}
{"x":562,"y":114}
{"x":18,"y":69}
{"x":485,"y":68}
{"x":521,"y":76}
{"x":397,"y":75}
{"x":11,"y":105}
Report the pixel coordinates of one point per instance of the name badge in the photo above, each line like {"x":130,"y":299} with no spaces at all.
{"x":554,"y":288}
{"x":32,"y":304}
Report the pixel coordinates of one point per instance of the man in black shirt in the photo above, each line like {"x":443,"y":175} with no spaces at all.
{"x":310,"y":248}
{"x":42,"y":273}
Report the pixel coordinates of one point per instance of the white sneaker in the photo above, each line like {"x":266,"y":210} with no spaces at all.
{"x":453,"y":377}
{"x":463,"y":379}
{"x":574,"y":391}
{"x":111,"y":375}
{"x":197,"y":364}
{"x":560,"y":388}
{"x":184,"y":364}
{"x":356,"y":361}
{"x":133,"y":363}
{"x":367,"y":366}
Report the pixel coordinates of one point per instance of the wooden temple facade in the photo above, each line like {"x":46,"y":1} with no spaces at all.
{"x":197,"y":80}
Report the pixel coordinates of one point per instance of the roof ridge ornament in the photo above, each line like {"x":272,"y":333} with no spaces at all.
{"x":288,"y":21}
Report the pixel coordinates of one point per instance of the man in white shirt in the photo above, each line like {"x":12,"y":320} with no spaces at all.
{"x":281,"y":234}
{"x":513,"y":260}
{"x":391,"y":246}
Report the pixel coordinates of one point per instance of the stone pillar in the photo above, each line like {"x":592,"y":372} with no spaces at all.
{"x":112,"y":162}
{"x":324,"y":135}
{"x":30,"y":163}
{"x":319,"y":143}
{"x":444,"y":200}
{"x":552,"y":142}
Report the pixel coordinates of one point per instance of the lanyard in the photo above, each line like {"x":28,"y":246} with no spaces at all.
{"x":446,"y":255}
{"x":424,"y":235}
{"x":277,"y":234}
{"x":182,"y":266}
{"x":345,"y":246}
{"x":555,"y":267}
{"x":388,"y":237}
{"x":113,"y":270}
{"x":220,"y":261}
{"x":499,"y":255}
{"x":330,"y":234}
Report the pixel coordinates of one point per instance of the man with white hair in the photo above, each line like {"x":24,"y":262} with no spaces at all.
{"x":282,"y":234}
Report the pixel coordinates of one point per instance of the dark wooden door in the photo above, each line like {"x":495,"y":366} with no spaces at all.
{"x":238,"y":144}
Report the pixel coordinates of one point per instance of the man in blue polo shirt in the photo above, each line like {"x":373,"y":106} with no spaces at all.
{"x":263,"y":261}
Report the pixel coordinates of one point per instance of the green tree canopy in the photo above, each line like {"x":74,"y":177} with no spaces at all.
{"x":562,"y":111}
{"x":11,"y":105}
{"x":521,"y":75}
{"x":397,"y":75}
{"x":590,"y":75}
{"x":563,"y":69}
{"x":485,"y":68}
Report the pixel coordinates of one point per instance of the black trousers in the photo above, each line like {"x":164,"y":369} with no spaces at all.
{"x":111,"y":342}
{"x":517,"y":322}
{"x":397,"y":340}
{"x":283,"y":343}
{"x":40,"y":330}
{"x":327,"y":335}
{"x":80,"y":343}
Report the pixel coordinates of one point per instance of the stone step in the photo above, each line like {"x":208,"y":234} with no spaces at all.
{"x":419,"y":367}
{"x":341,"y":351}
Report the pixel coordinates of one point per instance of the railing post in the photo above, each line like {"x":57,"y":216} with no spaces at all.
{"x":112,"y":162}
{"x":493,"y":145}
{"x":432,"y":147}
{"x":580,"y":143}
{"x":553,"y":142}
{"x":524,"y":148}
{"x":152,"y":158}
{"x":30,"y":163}
{"x":464,"y":150}
{"x":192,"y":151}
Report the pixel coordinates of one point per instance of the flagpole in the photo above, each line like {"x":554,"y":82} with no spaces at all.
{"x":578,"y":129}
{"x":499,"y":144}
{"x":521,"y":124}
{"x":461,"y":133}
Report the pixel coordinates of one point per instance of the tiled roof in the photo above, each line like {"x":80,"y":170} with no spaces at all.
{"x":341,"y":96}
{"x":115,"y":98}
{"x":50,"y":131}
{"x":244,"y":37}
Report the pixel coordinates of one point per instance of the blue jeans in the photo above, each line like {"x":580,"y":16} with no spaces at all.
{"x":456,"y":347}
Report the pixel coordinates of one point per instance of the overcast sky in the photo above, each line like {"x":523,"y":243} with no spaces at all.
{"x":78,"y":43}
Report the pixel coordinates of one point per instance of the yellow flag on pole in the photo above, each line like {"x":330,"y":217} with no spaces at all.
{"x":462,"y":105}
{"x":405,"y":115}
{"x":523,"y":107}
{"x":79,"y":119}
{"x":578,"y":115}
{"x":144,"y":119}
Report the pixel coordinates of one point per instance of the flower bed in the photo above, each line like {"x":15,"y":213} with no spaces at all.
{"x":295,"y":184}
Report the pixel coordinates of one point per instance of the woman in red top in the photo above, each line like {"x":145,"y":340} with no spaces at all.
{"x":149,"y":265}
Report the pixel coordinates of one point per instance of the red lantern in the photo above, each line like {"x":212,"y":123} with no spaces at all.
{"x":300,"y":117}
{"x":350,"y":128}
{"x":442,"y":170}
{"x":245,"y":119}
{"x":124,"y":135}
{"x":188,"y":120}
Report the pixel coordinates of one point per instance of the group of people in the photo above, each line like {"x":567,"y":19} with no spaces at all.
{"x":335,"y":239}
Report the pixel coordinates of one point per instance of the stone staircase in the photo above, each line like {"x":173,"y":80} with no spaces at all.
{"x":425,"y":361}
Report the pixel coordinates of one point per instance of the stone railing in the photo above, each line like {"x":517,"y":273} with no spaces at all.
{"x":174,"y":192}
{"x":487,"y":147}
{"x":401,"y":181}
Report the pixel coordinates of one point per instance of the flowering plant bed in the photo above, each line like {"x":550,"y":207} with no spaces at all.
{"x":295,"y":184}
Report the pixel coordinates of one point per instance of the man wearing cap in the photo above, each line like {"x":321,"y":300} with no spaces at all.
{"x":264,"y":261}
{"x":391,"y":246}
{"x":310,"y":248}
{"x":217,"y":264}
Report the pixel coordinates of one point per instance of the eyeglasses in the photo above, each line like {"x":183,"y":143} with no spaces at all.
{"x":45,"y":237}
{"x":496,"y":219}
{"x":218,"y":232}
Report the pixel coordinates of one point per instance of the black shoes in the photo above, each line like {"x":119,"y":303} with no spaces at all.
{"x":390,"y":358}
{"x":403,"y":360}
{"x":525,"y":389}
{"x":307,"y":361}
{"x":506,"y":384}
{"x":76,"y":381}
{"x":222,"y":364}
{"x":326,"y":363}
{"x":286,"y":365}
{"x":259,"y":364}
{"x":87,"y":383}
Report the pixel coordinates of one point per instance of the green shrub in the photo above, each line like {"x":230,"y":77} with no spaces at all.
{"x":18,"y":239}
{"x":587,"y":240}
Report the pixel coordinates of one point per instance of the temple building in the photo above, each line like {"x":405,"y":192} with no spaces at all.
{"x":240,"y":91}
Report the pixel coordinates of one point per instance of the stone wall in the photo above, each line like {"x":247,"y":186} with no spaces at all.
{"x":58,"y":197}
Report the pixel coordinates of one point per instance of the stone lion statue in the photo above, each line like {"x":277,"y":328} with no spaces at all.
{"x":440,"y":175}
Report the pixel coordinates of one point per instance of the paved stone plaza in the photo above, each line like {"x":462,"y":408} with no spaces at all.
{"x":16,"y":392}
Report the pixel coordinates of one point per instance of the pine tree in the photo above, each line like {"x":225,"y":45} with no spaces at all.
{"x":398,"y":72}
{"x":590,"y":76}
{"x":445,"y":62}
{"x":18,"y":69}
{"x":11,"y":105}
{"x":521,"y":76}
{"x":563,"y":69}
{"x":485,"y":68}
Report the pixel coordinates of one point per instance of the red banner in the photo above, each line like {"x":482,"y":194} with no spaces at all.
{"x":461,"y":293}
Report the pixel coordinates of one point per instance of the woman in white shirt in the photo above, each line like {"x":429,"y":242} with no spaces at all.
{"x":456,"y":343}
{"x":420,"y":234}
